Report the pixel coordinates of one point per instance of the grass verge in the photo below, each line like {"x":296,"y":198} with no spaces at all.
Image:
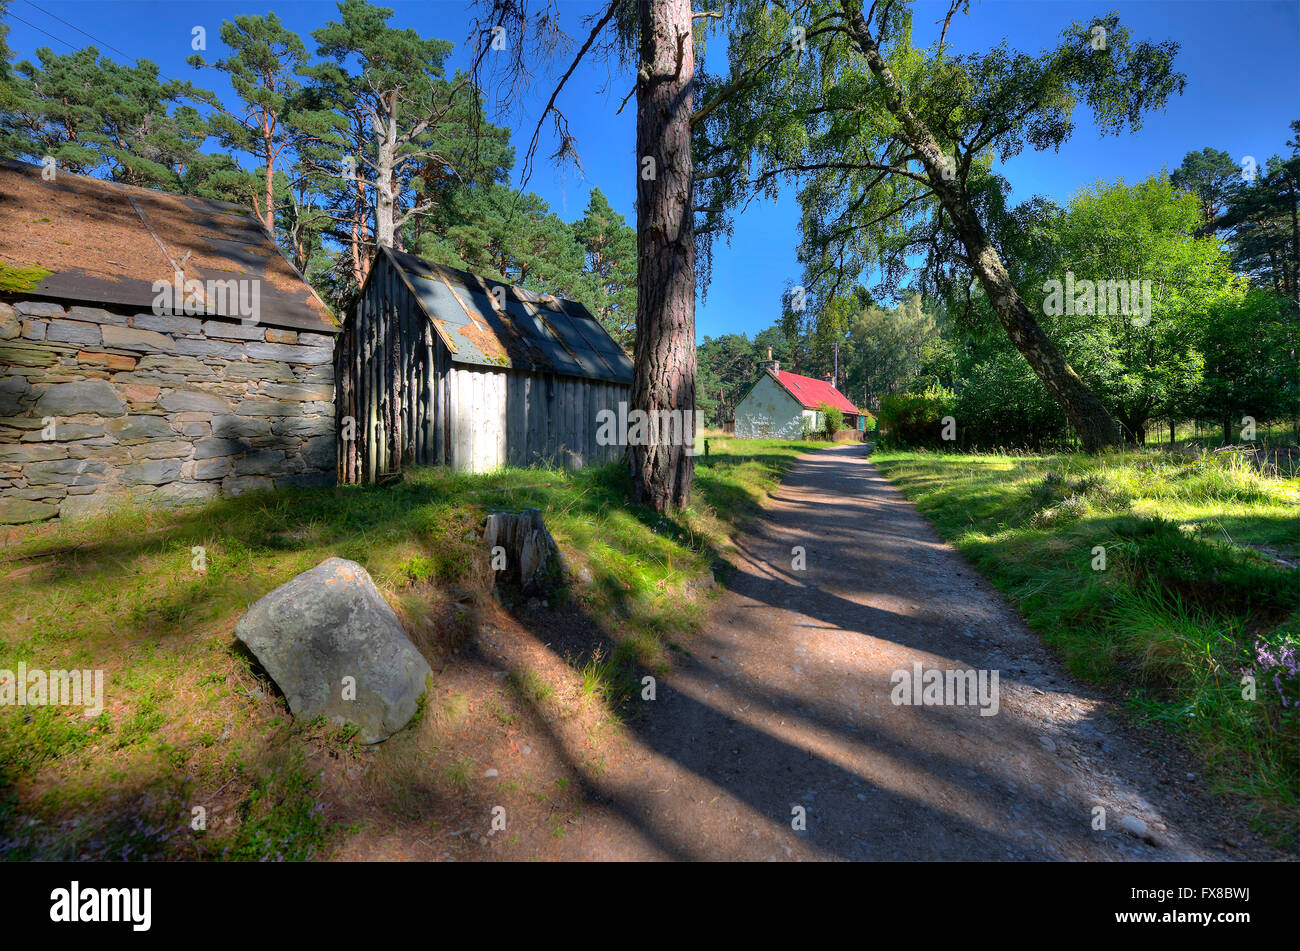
{"x":151,"y":597}
{"x":1172,"y":579}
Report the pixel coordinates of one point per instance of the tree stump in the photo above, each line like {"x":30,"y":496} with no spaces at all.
{"x":522,"y":552}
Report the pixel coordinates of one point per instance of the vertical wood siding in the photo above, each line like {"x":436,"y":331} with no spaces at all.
{"x":413,"y":406}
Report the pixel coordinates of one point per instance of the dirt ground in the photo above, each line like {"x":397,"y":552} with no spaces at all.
{"x":774,"y":736}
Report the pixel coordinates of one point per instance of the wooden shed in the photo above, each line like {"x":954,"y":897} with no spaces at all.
{"x":439,"y":367}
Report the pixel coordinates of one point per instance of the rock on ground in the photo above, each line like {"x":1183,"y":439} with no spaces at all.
{"x":330,"y":624}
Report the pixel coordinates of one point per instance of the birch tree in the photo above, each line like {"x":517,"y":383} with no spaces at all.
{"x":893,"y":146}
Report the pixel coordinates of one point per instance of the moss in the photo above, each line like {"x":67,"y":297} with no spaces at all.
{"x":16,"y":279}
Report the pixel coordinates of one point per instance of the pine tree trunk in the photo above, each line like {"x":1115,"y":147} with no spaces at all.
{"x":385,"y":167}
{"x":269,"y":155}
{"x":663,"y":378}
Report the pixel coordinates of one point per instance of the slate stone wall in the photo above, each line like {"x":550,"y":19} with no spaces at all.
{"x":155,"y":409}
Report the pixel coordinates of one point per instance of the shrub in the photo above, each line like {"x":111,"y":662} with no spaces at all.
{"x":1215,"y":577}
{"x":832,"y":420}
{"x":868,"y":422}
{"x":916,"y":419}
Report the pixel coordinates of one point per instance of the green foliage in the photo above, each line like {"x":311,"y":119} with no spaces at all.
{"x":728,"y":364}
{"x":1210,"y":175}
{"x":1260,"y":217}
{"x":498,"y":233}
{"x":852,"y":116}
{"x":1248,"y":344}
{"x":33,"y":736}
{"x":277,"y":119}
{"x":832,"y":419}
{"x":609,"y":244}
{"x":95,"y":116}
{"x":1147,"y":231}
{"x":1215,"y":578}
{"x":391,"y":137}
{"x":1187,"y":599}
{"x":915,"y":419}
{"x":282,"y":820}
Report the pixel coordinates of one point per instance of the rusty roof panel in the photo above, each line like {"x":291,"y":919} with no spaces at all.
{"x":107,"y":243}
{"x":534,"y":334}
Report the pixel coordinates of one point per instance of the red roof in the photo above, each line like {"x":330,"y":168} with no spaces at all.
{"x":813,"y":393}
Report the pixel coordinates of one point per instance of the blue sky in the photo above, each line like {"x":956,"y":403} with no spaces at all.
{"x":1241,"y":59}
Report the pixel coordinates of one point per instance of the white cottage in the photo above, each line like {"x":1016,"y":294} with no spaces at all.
{"x":782,"y":405}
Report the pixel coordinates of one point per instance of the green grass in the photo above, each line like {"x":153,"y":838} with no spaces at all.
{"x":187,"y":713}
{"x":1267,"y":435}
{"x":1199,"y":559}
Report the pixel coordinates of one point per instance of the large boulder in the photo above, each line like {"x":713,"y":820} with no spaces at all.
{"x":330,"y":624}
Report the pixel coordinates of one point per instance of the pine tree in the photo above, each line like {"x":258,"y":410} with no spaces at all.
{"x":610,"y":248}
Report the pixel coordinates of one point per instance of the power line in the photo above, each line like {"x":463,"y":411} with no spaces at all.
{"x":14,"y":16}
{"x":75,"y":27}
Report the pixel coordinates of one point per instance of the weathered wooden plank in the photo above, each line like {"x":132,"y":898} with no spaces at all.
{"x":579,"y":424}
{"x":526,"y":385}
{"x":486,"y":443}
{"x":402,"y":349}
{"x":550,"y":419}
{"x":581,"y":388}
{"x":590,"y":449}
{"x":427,"y":399}
{"x":514,"y":426}
{"x":489,"y":421}
{"x":557,"y":415}
{"x":568,"y":416}
{"x":372,"y":397}
{"x":537,"y":419}
{"x":440,"y":408}
{"x":576,"y":422}
{"x":502,"y":411}
{"x":456,"y":441}
{"x":469,"y":407}
{"x":472,"y":392}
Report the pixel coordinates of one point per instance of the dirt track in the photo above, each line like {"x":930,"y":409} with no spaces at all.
{"x":785,"y":702}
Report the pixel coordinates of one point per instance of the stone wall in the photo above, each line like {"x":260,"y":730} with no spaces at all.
{"x":155,"y":409}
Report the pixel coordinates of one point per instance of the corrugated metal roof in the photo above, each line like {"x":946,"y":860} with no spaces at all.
{"x":533,"y":333}
{"x":105,"y":243}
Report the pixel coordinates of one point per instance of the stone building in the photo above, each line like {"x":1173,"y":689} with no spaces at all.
{"x":154,"y":348}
